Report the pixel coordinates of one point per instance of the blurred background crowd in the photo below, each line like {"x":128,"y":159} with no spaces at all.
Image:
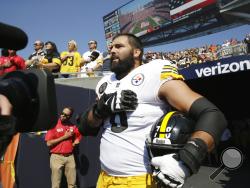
{"x":71,"y":63}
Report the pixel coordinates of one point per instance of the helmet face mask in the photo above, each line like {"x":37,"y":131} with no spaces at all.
{"x":169,"y":134}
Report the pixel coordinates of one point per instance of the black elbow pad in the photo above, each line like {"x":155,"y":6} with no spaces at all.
{"x":83,"y":126}
{"x":208,"y":118}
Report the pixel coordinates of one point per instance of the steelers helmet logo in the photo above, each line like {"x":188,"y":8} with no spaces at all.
{"x":137,"y":79}
{"x":169,"y":133}
{"x":103,"y":87}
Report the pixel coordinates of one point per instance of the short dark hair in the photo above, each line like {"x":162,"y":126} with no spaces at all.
{"x":133,"y":40}
{"x":94,"y":41}
{"x":39,"y":42}
{"x":71,"y":110}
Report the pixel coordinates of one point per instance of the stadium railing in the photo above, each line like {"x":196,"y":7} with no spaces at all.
{"x":228,"y":51}
{"x":80,"y":74}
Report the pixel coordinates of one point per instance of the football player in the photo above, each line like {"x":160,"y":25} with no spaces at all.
{"x":129,"y":103}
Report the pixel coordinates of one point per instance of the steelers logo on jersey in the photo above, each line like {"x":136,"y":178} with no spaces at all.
{"x":137,"y":79}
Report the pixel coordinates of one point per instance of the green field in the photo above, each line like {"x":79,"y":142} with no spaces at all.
{"x":137,"y":27}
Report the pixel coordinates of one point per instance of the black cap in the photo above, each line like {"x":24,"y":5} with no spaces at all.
{"x":12,"y":37}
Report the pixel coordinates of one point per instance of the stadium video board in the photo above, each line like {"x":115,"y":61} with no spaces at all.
{"x":138,"y":17}
{"x":141,"y":17}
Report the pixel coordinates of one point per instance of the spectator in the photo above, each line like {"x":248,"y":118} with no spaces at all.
{"x":213,"y":48}
{"x":106,"y":59}
{"x":226,"y":43}
{"x":70,"y":59}
{"x":148,"y":57}
{"x":37,"y":56}
{"x":201,"y":58}
{"x":52,"y":59}
{"x":61,"y":140}
{"x":92,"y":60}
{"x":4,"y":59}
{"x":13,"y":62}
{"x":233,"y":42}
{"x":194,"y":59}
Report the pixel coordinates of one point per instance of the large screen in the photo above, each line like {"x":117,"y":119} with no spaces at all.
{"x":111,"y":25}
{"x":138,"y":17}
{"x":141,"y":17}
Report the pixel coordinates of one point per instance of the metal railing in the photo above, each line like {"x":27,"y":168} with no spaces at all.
{"x":228,"y":51}
{"x":80,"y":74}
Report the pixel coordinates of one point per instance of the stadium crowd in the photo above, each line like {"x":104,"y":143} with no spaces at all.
{"x":92,"y":62}
{"x":206,"y":53}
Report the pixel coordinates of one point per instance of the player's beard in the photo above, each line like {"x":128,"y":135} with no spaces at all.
{"x":122,"y":67}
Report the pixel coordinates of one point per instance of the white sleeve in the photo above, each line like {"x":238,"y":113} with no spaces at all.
{"x":101,"y":86}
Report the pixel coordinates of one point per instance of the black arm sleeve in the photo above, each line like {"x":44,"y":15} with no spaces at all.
{"x":208,"y":118}
{"x":83,"y":126}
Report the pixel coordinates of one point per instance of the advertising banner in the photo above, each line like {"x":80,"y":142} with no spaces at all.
{"x":219,"y":67}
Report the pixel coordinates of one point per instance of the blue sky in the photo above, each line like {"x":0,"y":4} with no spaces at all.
{"x":81,"y":20}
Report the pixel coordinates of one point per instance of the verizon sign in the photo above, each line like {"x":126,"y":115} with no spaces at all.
{"x":223,"y":66}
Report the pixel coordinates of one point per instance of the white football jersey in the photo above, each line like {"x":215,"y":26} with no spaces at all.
{"x":122,"y":150}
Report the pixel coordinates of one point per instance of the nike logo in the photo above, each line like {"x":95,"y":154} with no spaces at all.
{"x":106,"y":103}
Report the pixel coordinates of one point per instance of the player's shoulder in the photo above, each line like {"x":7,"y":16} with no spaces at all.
{"x":158,"y":69}
{"x":157,"y":65}
{"x":160,"y":62}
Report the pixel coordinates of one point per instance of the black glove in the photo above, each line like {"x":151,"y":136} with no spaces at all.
{"x":125,"y":100}
{"x":94,"y":55}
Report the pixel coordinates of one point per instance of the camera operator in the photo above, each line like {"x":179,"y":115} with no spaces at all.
{"x":33,"y":89}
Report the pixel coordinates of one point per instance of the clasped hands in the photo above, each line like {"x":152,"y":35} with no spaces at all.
{"x":121,"y":100}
